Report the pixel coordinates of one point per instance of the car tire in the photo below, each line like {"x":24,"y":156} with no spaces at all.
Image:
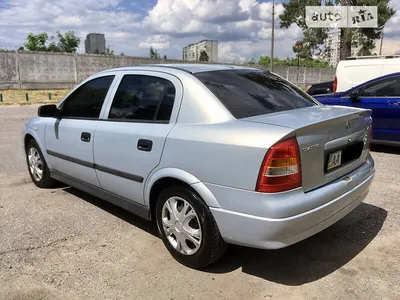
{"x":198,"y":225}
{"x":37,"y":166}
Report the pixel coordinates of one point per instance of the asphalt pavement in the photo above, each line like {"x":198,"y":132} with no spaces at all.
{"x":61,"y":243}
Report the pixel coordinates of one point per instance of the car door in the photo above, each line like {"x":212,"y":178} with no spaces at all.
{"x":69,"y":137}
{"x":383,"y":97}
{"x":130,"y":141}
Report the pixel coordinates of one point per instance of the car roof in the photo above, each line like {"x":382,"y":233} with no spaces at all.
{"x":373,"y":80}
{"x":189,"y":68}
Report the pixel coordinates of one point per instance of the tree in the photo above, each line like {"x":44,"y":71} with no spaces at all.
{"x":21,"y":48}
{"x":68,"y":42}
{"x":36,"y":42}
{"x":153,"y":53}
{"x":290,"y":61}
{"x":109,"y":52}
{"x":315,"y":37}
{"x":122,"y":54}
{"x":52,"y":47}
{"x":203,"y":56}
{"x":165,"y":57}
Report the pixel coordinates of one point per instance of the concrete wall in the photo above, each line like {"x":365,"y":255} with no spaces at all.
{"x":37,"y":70}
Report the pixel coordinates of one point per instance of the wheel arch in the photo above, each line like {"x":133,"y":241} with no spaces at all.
{"x":172,"y":176}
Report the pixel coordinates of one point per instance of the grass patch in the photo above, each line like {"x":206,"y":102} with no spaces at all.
{"x":34,"y":96}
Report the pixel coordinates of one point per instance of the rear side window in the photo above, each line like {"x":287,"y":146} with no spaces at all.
{"x":87,"y":100}
{"x":247,"y":93}
{"x":389,"y":87}
{"x":141,"y":97}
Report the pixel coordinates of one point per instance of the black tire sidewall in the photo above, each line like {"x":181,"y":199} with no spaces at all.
{"x":45,"y":181}
{"x":204,"y":256}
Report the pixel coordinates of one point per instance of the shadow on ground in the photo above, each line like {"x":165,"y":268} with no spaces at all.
{"x":304,"y":262}
{"x":313,"y":258}
{"x":147,"y":226}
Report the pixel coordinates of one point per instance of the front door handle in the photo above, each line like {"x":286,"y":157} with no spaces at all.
{"x":145,"y":145}
{"x":85,"y":137}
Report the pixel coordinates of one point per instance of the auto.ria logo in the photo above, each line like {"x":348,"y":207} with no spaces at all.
{"x":342,"y":16}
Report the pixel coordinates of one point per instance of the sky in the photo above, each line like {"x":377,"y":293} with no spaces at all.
{"x":242,"y":27}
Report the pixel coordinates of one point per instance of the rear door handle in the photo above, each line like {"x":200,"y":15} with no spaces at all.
{"x":85,"y":137}
{"x":145,"y":145}
{"x":394,"y":102}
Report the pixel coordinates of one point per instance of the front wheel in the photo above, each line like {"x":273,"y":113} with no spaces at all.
{"x":37,"y":166}
{"x":188,"y":228}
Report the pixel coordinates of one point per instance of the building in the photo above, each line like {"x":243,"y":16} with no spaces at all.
{"x":95,"y":43}
{"x":192,"y":52}
{"x":333,"y":43}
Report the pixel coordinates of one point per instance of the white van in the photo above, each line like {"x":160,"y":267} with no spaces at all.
{"x":356,"y":70}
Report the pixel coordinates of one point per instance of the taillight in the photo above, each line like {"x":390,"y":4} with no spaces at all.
{"x":281,"y":169}
{"x":335,"y":84}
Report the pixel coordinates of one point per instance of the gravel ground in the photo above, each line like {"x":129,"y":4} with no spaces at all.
{"x":64,"y":244}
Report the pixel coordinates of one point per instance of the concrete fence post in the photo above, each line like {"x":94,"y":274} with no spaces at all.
{"x":305,"y":76}
{"x":287,"y":73}
{"x":18,"y":70}
{"x":320,"y":75}
{"x":76,"y":68}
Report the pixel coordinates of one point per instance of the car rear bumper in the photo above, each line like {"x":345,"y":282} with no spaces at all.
{"x":274,"y":233}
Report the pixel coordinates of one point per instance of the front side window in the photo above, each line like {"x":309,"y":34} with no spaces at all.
{"x":88,"y":99}
{"x":389,"y":87}
{"x":247,"y":93}
{"x":141,"y":97}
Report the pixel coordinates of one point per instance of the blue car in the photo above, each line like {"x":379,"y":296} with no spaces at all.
{"x":382,"y":96}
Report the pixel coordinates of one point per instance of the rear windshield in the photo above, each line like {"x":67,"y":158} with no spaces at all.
{"x":247,"y":93}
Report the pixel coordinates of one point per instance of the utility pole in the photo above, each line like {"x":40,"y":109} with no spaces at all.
{"x":380,"y":47}
{"x":345,"y":36}
{"x":273,"y":35}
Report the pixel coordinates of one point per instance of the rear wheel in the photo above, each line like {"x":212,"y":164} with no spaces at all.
{"x":188,"y":228}
{"x":37,"y":166}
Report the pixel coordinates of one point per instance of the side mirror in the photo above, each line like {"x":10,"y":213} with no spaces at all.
{"x":355,"y":96}
{"x":48,"y":111}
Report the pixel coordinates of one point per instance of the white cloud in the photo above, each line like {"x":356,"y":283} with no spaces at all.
{"x":294,"y":32}
{"x":68,"y":21}
{"x":155,"y":41}
{"x":243,"y":27}
{"x":226,"y":20}
{"x":263,"y":11}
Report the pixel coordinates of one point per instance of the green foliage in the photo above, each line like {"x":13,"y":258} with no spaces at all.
{"x":36,"y":42}
{"x":165,"y":57}
{"x":52,"y":47}
{"x":315,"y":38}
{"x":203,"y":56}
{"x":302,"y":49}
{"x":290,"y":61}
{"x":109,"y":52}
{"x":68,"y":42}
{"x":154,"y":54}
{"x":122,"y":54}
{"x":40,"y":42}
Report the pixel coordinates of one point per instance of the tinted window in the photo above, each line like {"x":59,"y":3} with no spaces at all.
{"x":386,"y":87}
{"x":247,"y":93}
{"x":142,"y":97}
{"x":87,"y":100}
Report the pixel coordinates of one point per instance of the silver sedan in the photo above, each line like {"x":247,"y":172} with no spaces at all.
{"x":213,"y":154}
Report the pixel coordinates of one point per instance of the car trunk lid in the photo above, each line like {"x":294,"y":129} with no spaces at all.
{"x":326,"y":135}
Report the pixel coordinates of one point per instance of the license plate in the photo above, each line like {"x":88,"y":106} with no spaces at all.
{"x":335,"y":159}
